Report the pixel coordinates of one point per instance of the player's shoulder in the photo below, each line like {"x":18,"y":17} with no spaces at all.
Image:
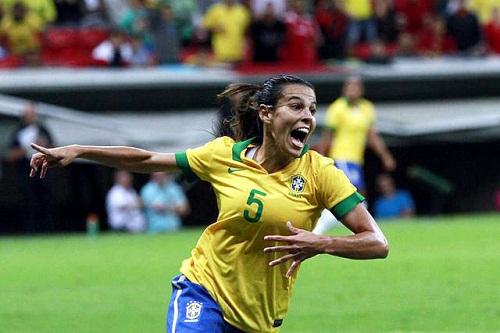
{"x":367,"y":103}
{"x":315,"y":160}
{"x":341,"y":101}
{"x":220,"y":144}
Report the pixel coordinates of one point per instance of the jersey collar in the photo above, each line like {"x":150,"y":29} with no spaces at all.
{"x":240,"y":146}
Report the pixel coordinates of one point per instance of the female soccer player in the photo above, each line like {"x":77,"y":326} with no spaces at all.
{"x":270,"y":190}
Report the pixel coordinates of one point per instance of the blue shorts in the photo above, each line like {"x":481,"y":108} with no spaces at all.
{"x":354,"y":172}
{"x":193,"y":310}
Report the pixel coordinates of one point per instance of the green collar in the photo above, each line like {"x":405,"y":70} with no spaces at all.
{"x":239,"y":146}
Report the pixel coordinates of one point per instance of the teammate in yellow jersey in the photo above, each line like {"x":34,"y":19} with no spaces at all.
{"x":349,"y":128}
{"x":270,"y":191}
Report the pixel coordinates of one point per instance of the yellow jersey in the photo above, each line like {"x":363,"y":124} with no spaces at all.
{"x":359,"y":9}
{"x":351,"y":124}
{"x":228,"y":259}
{"x":229,"y":44}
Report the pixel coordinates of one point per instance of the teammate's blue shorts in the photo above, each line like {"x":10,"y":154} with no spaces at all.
{"x":354,"y":172}
{"x":193,"y":310}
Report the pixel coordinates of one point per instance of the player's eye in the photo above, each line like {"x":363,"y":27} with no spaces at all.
{"x":296,"y":106}
{"x":313,"y":110}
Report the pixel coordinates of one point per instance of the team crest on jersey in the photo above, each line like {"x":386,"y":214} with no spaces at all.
{"x":193,"y":311}
{"x":298,"y":183}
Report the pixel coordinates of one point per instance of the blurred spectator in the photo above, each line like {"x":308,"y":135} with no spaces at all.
{"x":406,"y":45}
{"x":69,"y":12}
{"x":115,"y":51}
{"x":497,"y":200}
{"x":116,"y":10}
{"x":37,"y":208}
{"x":184,"y":17}
{"x":492,"y":32}
{"x":3,"y":48}
{"x":333,"y":23}
{"x":483,"y":9}
{"x":136,"y":21}
{"x":267,"y":34}
{"x":124,"y":205}
{"x":141,"y":55}
{"x":164,"y":33}
{"x":260,"y":6}
{"x":386,"y":21}
{"x":44,"y":10}
{"x":464,"y":27}
{"x":164,"y":203}
{"x":434,"y":40}
{"x":361,"y":25}
{"x":21,"y":30}
{"x":302,"y":35}
{"x":227,"y":22}
{"x":411,"y":14}
{"x":95,"y":14}
{"x":378,"y":54}
{"x":392,"y":203}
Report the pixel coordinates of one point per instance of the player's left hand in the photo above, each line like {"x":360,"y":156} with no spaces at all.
{"x":300,"y":245}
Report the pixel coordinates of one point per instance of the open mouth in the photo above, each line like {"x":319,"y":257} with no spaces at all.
{"x":299,"y":136}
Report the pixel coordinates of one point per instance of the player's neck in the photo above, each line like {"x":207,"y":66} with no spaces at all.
{"x":271,"y":158}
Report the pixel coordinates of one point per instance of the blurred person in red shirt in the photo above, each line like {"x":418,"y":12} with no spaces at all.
{"x":492,"y":32}
{"x":333,"y":22}
{"x":302,"y":35}
{"x":411,"y":14}
{"x":434,"y":39}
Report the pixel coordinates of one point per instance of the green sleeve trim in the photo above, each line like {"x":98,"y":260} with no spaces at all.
{"x":346,"y":205}
{"x":183,"y":163}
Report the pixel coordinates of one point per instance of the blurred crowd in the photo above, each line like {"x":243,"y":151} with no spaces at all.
{"x":230,"y":32}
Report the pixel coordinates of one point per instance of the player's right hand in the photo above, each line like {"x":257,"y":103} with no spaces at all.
{"x":50,"y":158}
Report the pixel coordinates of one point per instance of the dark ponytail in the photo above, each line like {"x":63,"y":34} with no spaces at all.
{"x":239,"y":105}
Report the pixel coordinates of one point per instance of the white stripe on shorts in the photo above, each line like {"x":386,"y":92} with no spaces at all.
{"x":176,"y":305}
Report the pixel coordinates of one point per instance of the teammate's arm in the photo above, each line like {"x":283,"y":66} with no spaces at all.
{"x":326,"y":141}
{"x":126,"y":158}
{"x":376,"y":143}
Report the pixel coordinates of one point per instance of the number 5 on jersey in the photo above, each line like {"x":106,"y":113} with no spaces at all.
{"x":254,"y":200}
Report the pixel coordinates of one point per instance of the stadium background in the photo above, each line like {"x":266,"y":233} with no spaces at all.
{"x":439,"y":115}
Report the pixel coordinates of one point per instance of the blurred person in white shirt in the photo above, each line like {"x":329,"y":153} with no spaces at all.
{"x":124,"y":205}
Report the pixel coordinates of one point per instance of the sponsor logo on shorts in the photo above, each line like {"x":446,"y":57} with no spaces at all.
{"x":193,"y":311}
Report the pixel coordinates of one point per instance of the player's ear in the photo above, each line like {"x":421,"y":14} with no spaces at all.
{"x":265,"y":113}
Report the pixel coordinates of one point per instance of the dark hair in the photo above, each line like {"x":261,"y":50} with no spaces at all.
{"x":239,"y":105}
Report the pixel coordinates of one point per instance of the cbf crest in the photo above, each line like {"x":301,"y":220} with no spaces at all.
{"x":297,"y":185}
{"x":193,"y":311}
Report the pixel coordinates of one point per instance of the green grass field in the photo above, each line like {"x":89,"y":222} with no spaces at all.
{"x":442,"y":275}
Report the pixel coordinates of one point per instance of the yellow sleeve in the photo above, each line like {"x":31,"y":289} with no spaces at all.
{"x":210,"y":17}
{"x":246,"y":17}
{"x":198,"y":163}
{"x":333,"y":115}
{"x":336,"y":192}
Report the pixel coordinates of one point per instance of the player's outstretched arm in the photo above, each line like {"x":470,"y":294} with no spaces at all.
{"x":367,"y":242}
{"x":126,"y":158}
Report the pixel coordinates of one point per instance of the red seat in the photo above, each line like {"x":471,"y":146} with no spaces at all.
{"x":59,"y":38}
{"x":91,"y":37}
{"x":11,"y":62}
{"x":68,"y":57}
